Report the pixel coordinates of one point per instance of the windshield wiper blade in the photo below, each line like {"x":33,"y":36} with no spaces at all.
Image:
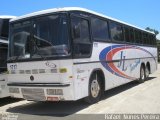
{"x":37,"y":49}
{"x":16,"y":58}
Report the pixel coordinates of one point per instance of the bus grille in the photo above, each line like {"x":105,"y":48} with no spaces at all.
{"x":33,"y":94}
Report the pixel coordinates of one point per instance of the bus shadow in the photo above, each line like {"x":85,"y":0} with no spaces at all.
{"x":56,"y":109}
{"x":62,"y":109}
{"x":150,"y":78}
{"x":8,"y":100}
{"x":121,"y":88}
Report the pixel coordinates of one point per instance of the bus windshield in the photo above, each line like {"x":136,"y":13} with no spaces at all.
{"x":45,"y":36}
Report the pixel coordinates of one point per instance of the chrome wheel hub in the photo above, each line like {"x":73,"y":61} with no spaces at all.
{"x":95,"y":88}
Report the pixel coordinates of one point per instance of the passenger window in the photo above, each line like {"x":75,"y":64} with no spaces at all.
{"x":153,"y":40}
{"x":81,"y":37}
{"x":137,"y":36}
{"x":80,"y":30}
{"x":145,"y":38}
{"x":132,"y":40}
{"x":99,"y":29}
{"x":127,"y":34}
{"x":148,"y":39}
{"x":116,"y":31}
{"x":141,"y":37}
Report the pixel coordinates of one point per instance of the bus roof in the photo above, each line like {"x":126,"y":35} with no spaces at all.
{"x":73,"y":9}
{"x":7,"y":16}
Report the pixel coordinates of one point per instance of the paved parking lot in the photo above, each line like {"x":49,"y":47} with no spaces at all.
{"x":130,"y":98}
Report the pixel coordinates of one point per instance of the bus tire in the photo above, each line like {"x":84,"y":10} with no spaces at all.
{"x":147,"y":70}
{"x":95,"y":89}
{"x":142,"y":74}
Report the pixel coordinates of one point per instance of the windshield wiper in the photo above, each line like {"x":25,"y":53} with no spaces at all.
{"x":37,"y":49}
{"x":14,"y":58}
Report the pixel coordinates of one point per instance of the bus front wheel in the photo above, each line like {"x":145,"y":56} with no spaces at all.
{"x":95,"y":89}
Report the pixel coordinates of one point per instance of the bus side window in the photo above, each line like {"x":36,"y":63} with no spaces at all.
{"x":127,"y":34}
{"x":153,"y":40}
{"x":144,"y":38}
{"x":100,"y":30}
{"x":116,"y":31}
{"x":81,"y":37}
{"x":132,"y":35}
{"x":137,"y":36}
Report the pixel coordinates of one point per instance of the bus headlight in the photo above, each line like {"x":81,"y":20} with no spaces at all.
{"x":14,"y":90}
{"x":54,"y":91}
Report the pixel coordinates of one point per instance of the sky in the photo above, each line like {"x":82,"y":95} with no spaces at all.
{"x":141,"y":13}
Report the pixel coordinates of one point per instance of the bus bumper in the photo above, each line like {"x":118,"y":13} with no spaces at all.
{"x":42,"y":91}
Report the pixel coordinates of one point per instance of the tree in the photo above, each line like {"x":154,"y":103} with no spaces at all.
{"x":152,"y":30}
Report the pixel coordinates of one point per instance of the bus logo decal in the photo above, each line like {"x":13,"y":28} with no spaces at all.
{"x":50,"y":64}
{"x":119,"y":70}
{"x":122,"y":62}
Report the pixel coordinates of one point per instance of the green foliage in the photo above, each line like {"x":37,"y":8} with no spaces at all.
{"x":158,"y":43}
{"x":152,"y":30}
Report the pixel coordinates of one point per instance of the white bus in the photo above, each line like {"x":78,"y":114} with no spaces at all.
{"x":66,"y":54}
{"x":4,"y":30}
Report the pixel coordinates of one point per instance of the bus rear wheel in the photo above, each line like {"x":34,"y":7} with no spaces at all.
{"x":147,"y":72}
{"x":142,"y":74}
{"x":95,"y":89}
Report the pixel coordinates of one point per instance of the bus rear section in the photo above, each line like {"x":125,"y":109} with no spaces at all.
{"x":3,"y":70}
{"x":4,"y":30}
